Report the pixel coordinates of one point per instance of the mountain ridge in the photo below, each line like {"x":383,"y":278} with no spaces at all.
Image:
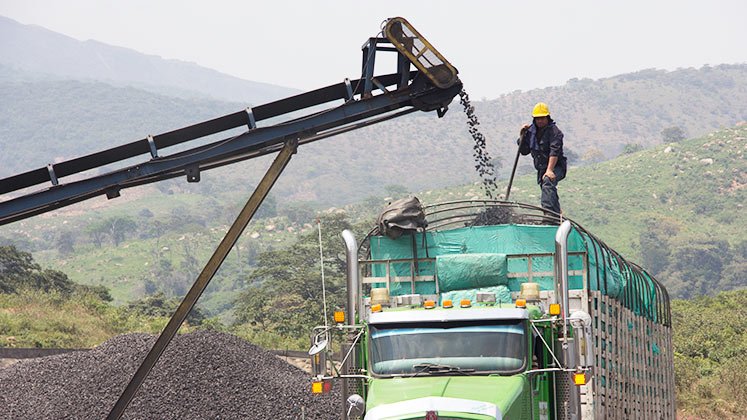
{"x":36,"y":49}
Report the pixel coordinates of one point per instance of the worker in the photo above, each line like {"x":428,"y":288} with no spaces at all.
{"x":544,"y":140}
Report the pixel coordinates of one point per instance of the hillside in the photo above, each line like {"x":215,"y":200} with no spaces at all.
{"x":417,"y":152}
{"x":676,"y":209}
{"x":34,"y":49}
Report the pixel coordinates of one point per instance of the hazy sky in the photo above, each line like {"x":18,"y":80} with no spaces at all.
{"x":498,"y":46}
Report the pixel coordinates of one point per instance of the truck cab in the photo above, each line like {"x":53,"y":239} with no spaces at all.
{"x":494,"y":311}
{"x":453,"y":361}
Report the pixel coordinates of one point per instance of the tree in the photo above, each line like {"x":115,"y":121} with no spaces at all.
{"x":697,"y":267}
{"x":65,"y":243}
{"x":268,"y":208}
{"x":158,"y":305}
{"x":19,"y":271}
{"x":171,"y":282}
{"x":16,"y":267}
{"x":97,"y":232}
{"x":119,"y":227}
{"x":285,"y":295}
{"x":655,"y":245}
{"x":673,"y":135}
{"x":631,"y":148}
{"x":299,"y":212}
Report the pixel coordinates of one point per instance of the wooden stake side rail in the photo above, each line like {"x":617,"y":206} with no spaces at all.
{"x":634,"y":372}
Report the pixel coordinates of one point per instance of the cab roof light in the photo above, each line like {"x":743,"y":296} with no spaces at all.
{"x":465,"y":303}
{"x":521,"y":303}
{"x":376,"y":308}
{"x":339,"y":317}
{"x":429,"y":304}
{"x":447,"y":304}
{"x":554,"y":309}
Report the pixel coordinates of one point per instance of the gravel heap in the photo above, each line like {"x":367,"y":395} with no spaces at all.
{"x":494,"y":216}
{"x":202,"y":375}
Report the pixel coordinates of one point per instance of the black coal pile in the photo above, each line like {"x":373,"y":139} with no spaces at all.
{"x":202,"y":375}
{"x":495,"y":216}
{"x":483,"y":163}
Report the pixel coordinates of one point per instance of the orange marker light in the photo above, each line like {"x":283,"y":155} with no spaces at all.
{"x":465,"y":303}
{"x":376,"y":308}
{"x":554,"y":309}
{"x":579,"y":378}
{"x":339,"y":317}
{"x":447,"y":303}
{"x":521,"y":303}
{"x":429,"y":304}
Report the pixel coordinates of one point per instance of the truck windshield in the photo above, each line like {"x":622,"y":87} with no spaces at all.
{"x":448,"y":348}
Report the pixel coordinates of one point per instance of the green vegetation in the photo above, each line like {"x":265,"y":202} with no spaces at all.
{"x":284,"y":299}
{"x":710,"y":344}
{"x":675,"y":209}
{"x":19,"y":273}
{"x":43,"y":308}
{"x":51,"y":320}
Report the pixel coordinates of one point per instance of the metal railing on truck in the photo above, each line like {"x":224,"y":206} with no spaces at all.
{"x":415,"y":264}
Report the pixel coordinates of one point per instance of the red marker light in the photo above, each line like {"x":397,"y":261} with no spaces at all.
{"x":431,"y":415}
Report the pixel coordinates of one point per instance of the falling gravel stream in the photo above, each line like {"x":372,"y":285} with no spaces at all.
{"x":483,"y":162}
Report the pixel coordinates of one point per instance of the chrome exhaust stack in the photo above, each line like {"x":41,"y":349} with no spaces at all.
{"x":351,"y":255}
{"x":561,"y":270}
{"x":350,"y":364}
{"x":571,"y":408}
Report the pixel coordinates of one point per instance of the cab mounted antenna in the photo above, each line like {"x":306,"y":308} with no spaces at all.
{"x":321,"y":264}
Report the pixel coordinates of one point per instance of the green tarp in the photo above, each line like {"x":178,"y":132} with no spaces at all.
{"x":454,"y":250}
{"x":470,"y":271}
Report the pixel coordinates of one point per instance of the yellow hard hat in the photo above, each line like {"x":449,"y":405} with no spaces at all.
{"x":540,"y":110}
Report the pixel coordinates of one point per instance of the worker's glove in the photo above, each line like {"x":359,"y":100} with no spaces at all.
{"x":523,"y":130}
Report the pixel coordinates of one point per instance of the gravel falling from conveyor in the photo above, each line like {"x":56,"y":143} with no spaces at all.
{"x":202,"y":375}
{"x":483,"y":162}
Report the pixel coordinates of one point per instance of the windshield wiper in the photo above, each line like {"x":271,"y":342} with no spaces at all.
{"x":435,"y":368}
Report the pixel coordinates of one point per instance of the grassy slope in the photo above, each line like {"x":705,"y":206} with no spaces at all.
{"x":34,"y":319}
{"x":615,"y":199}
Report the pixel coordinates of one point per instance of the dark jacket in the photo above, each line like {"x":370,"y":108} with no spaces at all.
{"x":549,"y":144}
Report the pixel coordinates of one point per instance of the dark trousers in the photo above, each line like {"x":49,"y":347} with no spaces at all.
{"x":550,"y":199}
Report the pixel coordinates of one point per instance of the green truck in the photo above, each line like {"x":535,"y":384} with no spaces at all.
{"x":496,"y":310}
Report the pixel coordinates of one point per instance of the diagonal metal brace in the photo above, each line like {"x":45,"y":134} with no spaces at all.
{"x":233,"y":234}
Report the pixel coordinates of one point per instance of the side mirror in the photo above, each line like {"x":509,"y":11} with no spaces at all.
{"x":356,"y":406}
{"x":581,"y":323}
{"x":319,"y":343}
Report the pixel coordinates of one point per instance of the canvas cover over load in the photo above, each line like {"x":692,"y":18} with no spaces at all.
{"x":449,"y":253}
